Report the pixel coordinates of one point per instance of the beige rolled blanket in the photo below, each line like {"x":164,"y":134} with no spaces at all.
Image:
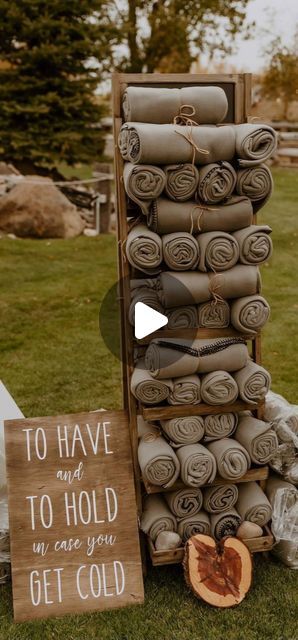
{"x":198,"y":465}
{"x":180,"y":289}
{"x":218,"y":387}
{"x":147,"y":143}
{"x":220,"y":498}
{"x":225,"y":523}
{"x":180,"y":251}
{"x":157,"y":517}
{"x":143,"y":183}
{"x":214,"y":314}
{"x":147,"y":296}
{"x":249,"y":314}
{"x":183,"y":317}
{"x":185,"y":430}
{"x":144,"y":249}
{"x":147,"y":389}
{"x":253,"y":382}
{"x":184,"y":502}
{"x":205,"y":105}
{"x":219,"y":425}
{"x":252,"y":504}
{"x":256,"y":183}
{"x":172,"y":358}
{"x":255,"y":143}
{"x":158,"y":462}
{"x":258,"y":438}
{"x":232,"y":459}
{"x":255,"y":244}
{"x":192,"y":525}
{"x":181,"y":181}
{"x":185,"y":390}
{"x":218,"y":251}
{"x":216,"y":182}
{"x":168,"y":217}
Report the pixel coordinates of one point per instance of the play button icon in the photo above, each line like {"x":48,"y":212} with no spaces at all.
{"x":147,"y":320}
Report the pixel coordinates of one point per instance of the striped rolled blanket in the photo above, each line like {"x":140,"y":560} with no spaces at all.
{"x":232,"y":459}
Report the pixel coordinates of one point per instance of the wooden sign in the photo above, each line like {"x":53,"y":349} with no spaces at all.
{"x":72,"y":513}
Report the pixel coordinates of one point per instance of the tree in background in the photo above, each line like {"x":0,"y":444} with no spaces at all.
{"x":280,"y":80}
{"x":52,"y":55}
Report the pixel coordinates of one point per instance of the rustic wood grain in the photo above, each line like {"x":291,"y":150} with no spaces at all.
{"x":256,"y":474}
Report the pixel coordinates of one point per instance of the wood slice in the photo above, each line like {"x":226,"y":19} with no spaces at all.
{"x":220,"y":573}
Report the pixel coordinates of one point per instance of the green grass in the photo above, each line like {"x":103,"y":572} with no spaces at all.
{"x":53,"y":360}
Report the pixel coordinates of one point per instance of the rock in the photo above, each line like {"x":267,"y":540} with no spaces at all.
{"x":249,"y":530}
{"x":39,"y":211}
{"x":167,"y":540}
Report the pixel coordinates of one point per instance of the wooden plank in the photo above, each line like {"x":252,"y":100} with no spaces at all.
{"x":253,"y":475}
{"x":247,"y":96}
{"x":168,"y":78}
{"x":178,"y":411}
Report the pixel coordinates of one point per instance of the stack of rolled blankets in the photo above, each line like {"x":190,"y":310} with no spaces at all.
{"x":193,"y":185}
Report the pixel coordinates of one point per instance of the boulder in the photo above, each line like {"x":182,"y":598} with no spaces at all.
{"x":36,"y":208}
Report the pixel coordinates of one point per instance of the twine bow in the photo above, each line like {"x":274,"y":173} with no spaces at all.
{"x":214,"y":288}
{"x":184,"y":118}
{"x":202,"y":208}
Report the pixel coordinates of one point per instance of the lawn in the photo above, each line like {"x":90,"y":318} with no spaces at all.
{"x":53,"y":360}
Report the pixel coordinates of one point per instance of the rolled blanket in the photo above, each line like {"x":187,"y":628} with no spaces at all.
{"x":172,"y":358}
{"x":205,"y":105}
{"x":180,"y":251}
{"x":184,"y":502}
{"x":218,"y":387}
{"x":190,"y":526}
{"x":145,"y":427}
{"x":157,"y":517}
{"x":255,"y":143}
{"x":180,"y":289}
{"x":220,"y":498}
{"x":214,"y":314}
{"x":216,"y":182}
{"x":219,"y":425}
{"x":232,"y":459}
{"x":158,"y":462}
{"x":186,"y":430}
{"x":147,"y":296}
{"x":218,"y":251}
{"x":252,"y":504}
{"x":258,"y":438}
{"x":249,"y":314}
{"x":146,"y":389}
{"x":198,"y":465}
{"x":185,"y":390}
{"x":144,"y":249}
{"x":168,"y":217}
{"x":225,"y":523}
{"x":253,"y":382}
{"x":254,"y":243}
{"x":256,"y":183}
{"x":146,"y":143}
{"x":181,"y":181}
{"x":183,"y":317}
{"x":143,"y":183}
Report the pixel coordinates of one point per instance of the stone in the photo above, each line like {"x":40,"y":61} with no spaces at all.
{"x":167,"y":540}
{"x":249,"y":530}
{"x":35,"y":207}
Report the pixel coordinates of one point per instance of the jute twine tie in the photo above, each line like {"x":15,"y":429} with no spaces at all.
{"x":214,"y":287}
{"x":184,"y":118}
{"x":202,"y":208}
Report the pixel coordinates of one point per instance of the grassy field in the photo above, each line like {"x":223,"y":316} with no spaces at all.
{"x":53,"y":360}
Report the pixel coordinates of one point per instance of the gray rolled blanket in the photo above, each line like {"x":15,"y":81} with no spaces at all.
{"x":168,"y":217}
{"x":232,"y":459}
{"x":258,"y":438}
{"x":183,"y":317}
{"x":157,"y":517}
{"x":158,"y":462}
{"x":225,"y":523}
{"x":253,"y":382}
{"x":143,"y":183}
{"x":147,"y":389}
{"x":256,"y":183}
{"x":181,"y":181}
{"x":180,"y":251}
{"x":198,"y":465}
{"x":214,"y":314}
{"x":218,"y":388}
{"x":255,"y":244}
{"x":252,"y":504}
{"x":192,"y":525}
{"x":216,"y":182}
{"x":172,"y":358}
{"x":218,"y":251}
{"x":144,"y":249}
{"x":255,"y":143}
{"x":185,"y":390}
{"x":185,"y":430}
{"x":147,"y":296}
{"x":219,"y":425}
{"x":205,"y":105}
{"x":249,"y":314}
{"x":220,"y":498}
{"x":184,"y":502}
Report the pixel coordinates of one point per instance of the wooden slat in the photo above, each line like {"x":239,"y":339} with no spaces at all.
{"x":179,"y":411}
{"x":167,"y":78}
{"x":253,"y":475}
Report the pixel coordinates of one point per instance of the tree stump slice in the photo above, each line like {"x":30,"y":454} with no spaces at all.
{"x":220,"y":573}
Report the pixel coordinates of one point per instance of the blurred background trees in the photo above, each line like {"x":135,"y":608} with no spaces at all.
{"x":280,"y":80}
